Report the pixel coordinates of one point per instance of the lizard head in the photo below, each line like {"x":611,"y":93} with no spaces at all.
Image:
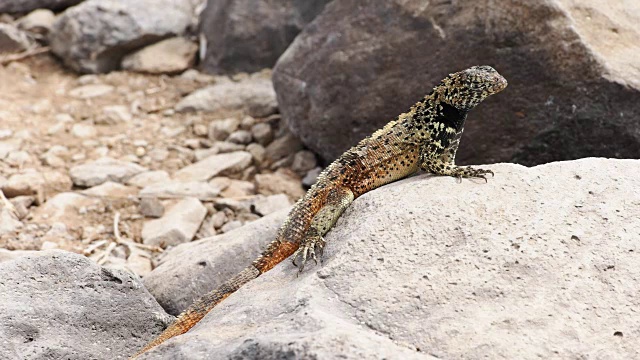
{"x":466,"y":89}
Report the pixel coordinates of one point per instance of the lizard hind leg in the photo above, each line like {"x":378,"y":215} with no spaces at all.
{"x":312,"y":245}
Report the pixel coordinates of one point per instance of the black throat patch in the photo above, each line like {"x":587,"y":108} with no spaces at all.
{"x":451,"y":116}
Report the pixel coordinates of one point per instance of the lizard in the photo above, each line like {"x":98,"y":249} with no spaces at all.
{"x":426,"y":138}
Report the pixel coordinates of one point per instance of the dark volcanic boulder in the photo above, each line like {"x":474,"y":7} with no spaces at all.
{"x":249,"y":35}
{"x":23,"y":6}
{"x":572,"y":69}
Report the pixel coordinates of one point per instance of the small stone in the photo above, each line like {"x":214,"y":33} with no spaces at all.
{"x":39,"y":21}
{"x":49,"y":245}
{"x":195,"y":75}
{"x":63,"y":118}
{"x":8,"y":222}
{"x":139,"y":262}
{"x":247,"y":217}
{"x":197,"y":189}
{"x":110,"y":189}
{"x":88,"y":79}
{"x":226,"y":146}
{"x":221,"y":182}
{"x":179,"y":224}
{"x":101,"y":170}
{"x":56,"y":128}
{"x":172,"y":132}
{"x":5,"y":133}
{"x":53,"y":161}
{"x":231,"y":225}
{"x":91,"y":91}
{"x":140,"y":151}
{"x":22,"y":204}
{"x":84,"y":131}
{"x":221,"y":129}
{"x":66,"y":208}
{"x":206,"y":229}
{"x":254,"y":95}
{"x":283,"y":146}
{"x":240,"y":137}
{"x":151,"y":207}
{"x":263,"y":133}
{"x":200,"y":130}
{"x":218,"y":219}
{"x":9,"y":145}
{"x":280,"y":182}
{"x":32,"y":182}
{"x":247,"y":122}
{"x":13,"y":40}
{"x":18,"y":158}
{"x":238,"y":189}
{"x":192,"y":143}
{"x":284,"y":162}
{"x":201,"y":154}
{"x":168,"y":56}
{"x":303,"y":161}
{"x":158,"y":154}
{"x":148,"y":178}
{"x":214,"y":165}
{"x":266,"y":205}
{"x":311,"y":177}
{"x":257,"y":151}
{"x":232,"y":204}
{"x":117,"y":113}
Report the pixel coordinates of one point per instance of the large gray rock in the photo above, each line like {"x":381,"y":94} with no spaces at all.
{"x":537,"y":263}
{"x":249,"y":35}
{"x":571,"y":66}
{"x":192,"y":269}
{"x":23,"y":6}
{"x":94,"y":36}
{"x":60,"y":305}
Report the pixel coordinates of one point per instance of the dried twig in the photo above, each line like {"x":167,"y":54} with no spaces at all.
{"x":4,"y":60}
{"x":127,"y":242}
{"x":107,"y":252}
{"x":12,"y":209}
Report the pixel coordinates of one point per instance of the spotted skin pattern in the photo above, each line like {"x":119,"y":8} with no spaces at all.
{"x":426,"y":137}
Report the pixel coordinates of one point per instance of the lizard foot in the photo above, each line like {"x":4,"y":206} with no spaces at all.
{"x":469,"y":172}
{"x":309,"y":247}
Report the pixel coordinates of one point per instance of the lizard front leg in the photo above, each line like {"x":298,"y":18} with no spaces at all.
{"x":338,"y":200}
{"x":442,"y":163}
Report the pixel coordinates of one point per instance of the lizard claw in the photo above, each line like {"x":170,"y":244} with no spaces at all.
{"x":313,"y":247}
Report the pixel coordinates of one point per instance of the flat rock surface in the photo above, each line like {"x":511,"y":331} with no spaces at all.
{"x":60,"y":305}
{"x":537,"y":263}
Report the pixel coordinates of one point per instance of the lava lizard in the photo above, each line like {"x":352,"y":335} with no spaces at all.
{"x":426,"y":137}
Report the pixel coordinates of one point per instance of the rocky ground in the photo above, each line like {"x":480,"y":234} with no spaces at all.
{"x":118,"y":166}
{"x":130,"y":191}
